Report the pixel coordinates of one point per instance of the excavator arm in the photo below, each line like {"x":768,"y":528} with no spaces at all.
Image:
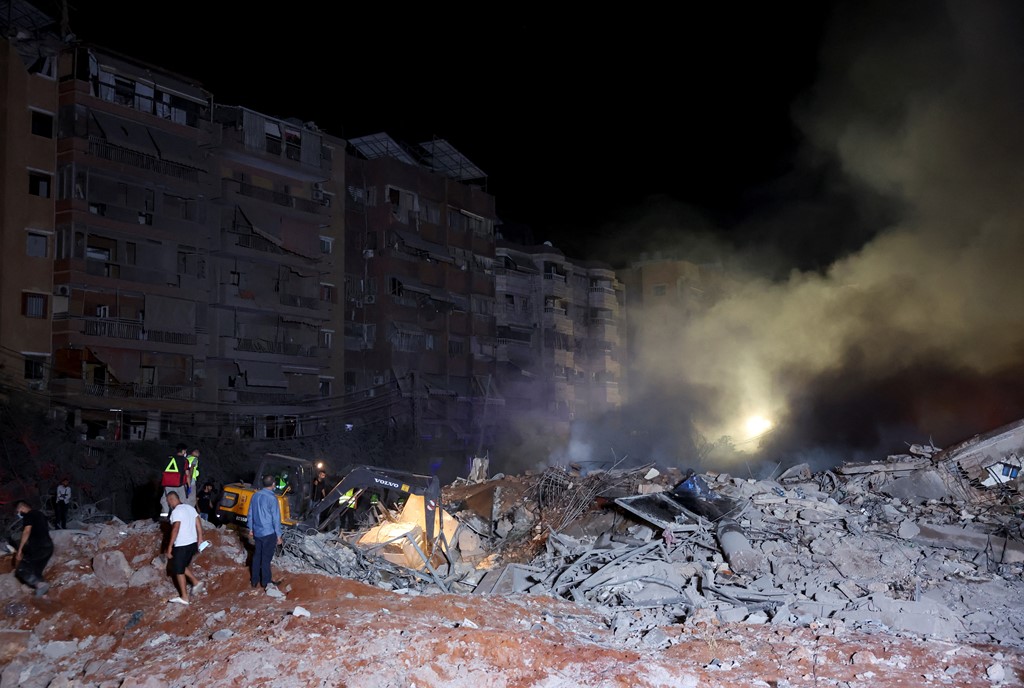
{"x":371,"y":477}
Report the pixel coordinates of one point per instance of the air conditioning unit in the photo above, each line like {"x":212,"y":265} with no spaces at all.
{"x":62,"y":290}
{"x":318,"y":191}
{"x":370,"y":298}
{"x":37,"y":385}
{"x":102,"y":311}
{"x":378,"y":379}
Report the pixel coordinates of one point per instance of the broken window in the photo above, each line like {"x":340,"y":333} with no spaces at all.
{"x":35,"y":367}
{"x":39,"y":184}
{"x":325,"y":387}
{"x":42,"y":124}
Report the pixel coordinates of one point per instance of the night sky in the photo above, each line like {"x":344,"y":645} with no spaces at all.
{"x":583,"y":122}
{"x":857,"y":165}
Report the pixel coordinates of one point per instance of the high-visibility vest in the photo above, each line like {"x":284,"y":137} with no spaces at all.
{"x":349,"y":499}
{"x":193,"y":463}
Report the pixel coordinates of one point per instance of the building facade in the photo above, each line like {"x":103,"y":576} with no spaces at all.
{"x":419,"y":293}
{"x":560,"y":336}
{"x":168,"y":267}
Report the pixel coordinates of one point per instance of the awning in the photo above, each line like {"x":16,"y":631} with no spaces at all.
{"x":260,"y":374}
{"x":437,"y":386}
{"x":177,"y":150}
{"x":521,"y":264}
{"x":259,"y":223}
{"x":300,"y":238}
{"x":415,"y":241}
{"x":121,"y":364}
{"x":302,"y":321}
{"x":406,"y":328}
{"x":125,"y":133}
{"x":169,"y":314}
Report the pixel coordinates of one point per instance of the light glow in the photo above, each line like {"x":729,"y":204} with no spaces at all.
{"x":757,"y":425}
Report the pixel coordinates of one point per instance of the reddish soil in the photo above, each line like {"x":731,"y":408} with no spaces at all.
{"x":365,"y":636}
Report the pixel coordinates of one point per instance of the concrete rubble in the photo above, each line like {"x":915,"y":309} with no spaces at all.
{"x":919,"y":545}
{"x":915,"y":545}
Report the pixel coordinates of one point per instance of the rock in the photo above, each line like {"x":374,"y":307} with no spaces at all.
{"x":222,"y":634}
{"x":996,"y":673}
{"x":147,"y":576}
{"x":299,"y":611}
{"x":59,"y":648}
{"x":112,"y":569}
{"x":863,"y":657}
{"x":908,"y":530}
{"x":275,"y":593}
{"x":148,"y":682}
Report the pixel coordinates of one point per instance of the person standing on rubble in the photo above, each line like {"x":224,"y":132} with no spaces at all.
{"x":264,"y":520}
{"x":62,"y":504}
{"x":192,"y":469}
{"x":175,"y":479}
{"x":34,"y":548}
{"x":186,"y":536}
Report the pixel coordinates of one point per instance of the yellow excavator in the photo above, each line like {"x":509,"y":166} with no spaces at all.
{"x":294,"y":491}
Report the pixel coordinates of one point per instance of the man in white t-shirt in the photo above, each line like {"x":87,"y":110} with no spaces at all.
{"x":186,"y":536}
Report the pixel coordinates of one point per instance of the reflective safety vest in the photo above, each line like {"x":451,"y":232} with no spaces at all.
{"x":173,"y":475}
{"x":349,"y":499}
{"x":193,"y":463}
{"x":282,"y":481}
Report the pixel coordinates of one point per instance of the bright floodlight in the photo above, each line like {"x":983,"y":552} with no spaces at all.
{"x":757,"y":425}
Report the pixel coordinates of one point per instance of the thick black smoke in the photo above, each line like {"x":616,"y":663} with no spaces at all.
{"x":914,"y":329}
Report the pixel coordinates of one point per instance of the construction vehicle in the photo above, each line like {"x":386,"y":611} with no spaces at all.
{"x":294,"y":487}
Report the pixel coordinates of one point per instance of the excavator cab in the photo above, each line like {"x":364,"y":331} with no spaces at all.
{"x":293,"y":486}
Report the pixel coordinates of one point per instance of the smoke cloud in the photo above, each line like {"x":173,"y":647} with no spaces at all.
{"x":915,"y":331}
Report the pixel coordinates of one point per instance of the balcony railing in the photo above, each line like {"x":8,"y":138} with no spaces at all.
{"x":299,"y":301}
{"x":118,"y":328}
{"x":124,"y":156}
{"x":266,"y":346}
{"x":275,"y":197}
{"x":133,"y":390}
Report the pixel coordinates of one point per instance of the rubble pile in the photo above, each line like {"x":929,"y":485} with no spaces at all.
{"x":915,"y":545}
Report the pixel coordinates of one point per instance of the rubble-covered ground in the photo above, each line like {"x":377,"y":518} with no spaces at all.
{"x":564,"y":578}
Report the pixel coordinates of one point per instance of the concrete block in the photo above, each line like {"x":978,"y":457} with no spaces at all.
{"x":112,"y":569}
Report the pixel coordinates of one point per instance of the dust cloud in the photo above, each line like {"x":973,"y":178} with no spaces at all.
{"x":915,"y":335}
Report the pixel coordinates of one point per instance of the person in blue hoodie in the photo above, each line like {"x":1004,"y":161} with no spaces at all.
{"x":264,"y":521}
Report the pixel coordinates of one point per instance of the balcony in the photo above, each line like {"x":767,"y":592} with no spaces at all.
{"x":271,"y":196}
{"x":602,"y":297}
{"x":272,"y":398}
{"x":556,"y":318}
{"x":554,"y":285}
{"x":295,"y":301}
{"x":266,"y":346}
{"x":119,"y":328}
{"x":133,"y":390}
{"x":131,"y":158}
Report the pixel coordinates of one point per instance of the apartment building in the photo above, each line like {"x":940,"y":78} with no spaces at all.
{"x":29,"y":50}
{"x":167,"y":266}
{"x":419,"y":293}
{"x":560,"y":336}
{"x":276,"y":261}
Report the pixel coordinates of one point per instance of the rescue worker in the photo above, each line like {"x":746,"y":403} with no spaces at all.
{"x":282,"y":482}
{"x":192,"y":468}
{"x":34,"y":548}
{"x":348,"y":505}
{"x":175,"y":479}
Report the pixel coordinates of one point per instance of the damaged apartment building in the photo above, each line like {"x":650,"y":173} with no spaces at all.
{"x":175,"y":267}
{"x":560,"y":335}
{"x":419,"y":293}
{"x":167,"y":264}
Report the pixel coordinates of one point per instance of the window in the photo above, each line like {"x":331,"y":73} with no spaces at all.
{"x":35,"y":245}
{"x":42,"y":124}
{"x":327,"y":292}
{"x":430,"y":342}
{"x":39,"y":184}
{"x":325,"y":387}
{"x":34,"y":368}
{"x":456,"y":347}
{"x":659,"y":290}
{"x":129,"y":252}
{"x":326,"y":245}
{"x":325,"y":338}
{"x":33,"y":305}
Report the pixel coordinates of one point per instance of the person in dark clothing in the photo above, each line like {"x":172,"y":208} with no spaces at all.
{"x":320,"y":486}
{"x":206,"y":504}
{"x":34,"y":548}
